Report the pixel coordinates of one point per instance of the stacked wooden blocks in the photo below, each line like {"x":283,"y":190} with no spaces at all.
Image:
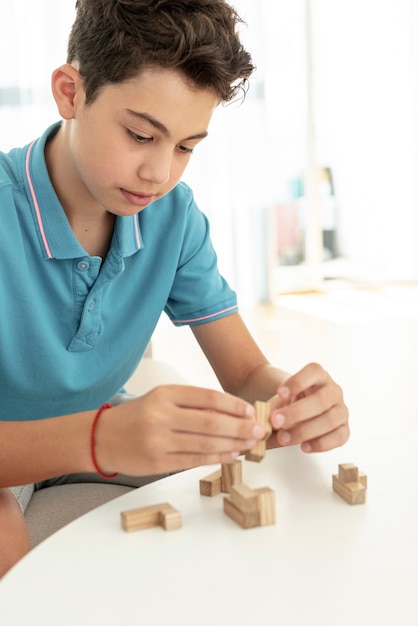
{"x":350,"y":483}
{"x":222,"y":480}
{"x":247,"y":507}
{"x":251,"y":507}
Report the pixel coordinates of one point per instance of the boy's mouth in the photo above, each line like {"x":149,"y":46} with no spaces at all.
{"x":137,"y":199}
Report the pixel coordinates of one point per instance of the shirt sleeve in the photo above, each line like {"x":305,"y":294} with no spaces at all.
{"x":199,"y":292}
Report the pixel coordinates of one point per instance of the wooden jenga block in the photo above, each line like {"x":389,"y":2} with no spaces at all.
{"x":251,"y":507}
{"x":212,"y":484}
{"x":148,"y":516}
{"x":266,"y":504}
{"x":144,"y":517}
{"x":170,"y":518}
{"x":350,"y":484}
{"x":245,"y":519}
{"x":362,"y":478}
{"x":348,"y":472}
{"x":257,"y":453}
{"x":231,"y":475}
{"x":244,"y":498}
{"x":262,"y":414}
{"x":353,"y":493}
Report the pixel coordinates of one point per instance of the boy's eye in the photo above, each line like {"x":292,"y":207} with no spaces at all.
{"x":185,"y":149}
{"x":138,"y":138}
{"x":141,"y":139}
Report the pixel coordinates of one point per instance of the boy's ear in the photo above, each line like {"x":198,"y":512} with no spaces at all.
{"x":67,"y":87}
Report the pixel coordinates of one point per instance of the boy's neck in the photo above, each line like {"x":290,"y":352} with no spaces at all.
{"x":95,"y":236}
{"x":91,"y":224}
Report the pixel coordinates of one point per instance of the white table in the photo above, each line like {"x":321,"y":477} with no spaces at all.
{"x":324,"y":562}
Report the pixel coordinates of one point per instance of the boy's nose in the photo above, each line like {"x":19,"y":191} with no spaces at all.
{"x":156,"y":169}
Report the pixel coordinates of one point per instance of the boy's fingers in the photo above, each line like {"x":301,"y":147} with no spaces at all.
{"x":189,"y":461}
{"x":312,"y":428}
{"x":217,"y":424}
{"x":209,"y":445}
{"x":318,"y":403}
{"x":331,"y":440}
{"x":310,"y":376}
{"x":201,"y":398}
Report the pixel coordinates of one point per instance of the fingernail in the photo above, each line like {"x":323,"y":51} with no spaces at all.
{"x":250,"y":443}
{"x":234,"y":455}
{"x":249,"y":410}
{"x":306,"y":447}
{"x":284,"y":437}
{"x":284,"y":392}
{"x":278,"y":420}
{"x":258,"y":431}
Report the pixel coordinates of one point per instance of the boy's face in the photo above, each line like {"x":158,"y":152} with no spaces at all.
{"x":131,"y":145}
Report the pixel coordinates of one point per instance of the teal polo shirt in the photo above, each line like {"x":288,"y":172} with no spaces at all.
{"x":73,"y":327}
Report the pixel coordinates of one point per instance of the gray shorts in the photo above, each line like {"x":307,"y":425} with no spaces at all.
{"x":24,"y":493}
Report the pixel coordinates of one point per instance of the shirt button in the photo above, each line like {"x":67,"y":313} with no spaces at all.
{"x":91,"y":305}
{"x":83,"y":265}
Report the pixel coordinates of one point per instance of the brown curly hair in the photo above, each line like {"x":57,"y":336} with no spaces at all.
{"x":112,"y":40}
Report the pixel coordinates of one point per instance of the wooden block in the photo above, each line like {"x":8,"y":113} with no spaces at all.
{"x":257,"y":453}
{"x":251,"y":507}
{"x":353,"y":493}
{"x":231,"y":475}
{"x":249,"y":519}
{"x":350,"y":484}
{"x":244,"y":498}
{"x":348,"y":472}
{"x":162,"y":514}
{"x":212,"y":484}
{"x":262,"y":415}
{"x":144,"y":517}
{"x":170,"y":518}
{"x":266,"y":504}
{"x":362,"y":478}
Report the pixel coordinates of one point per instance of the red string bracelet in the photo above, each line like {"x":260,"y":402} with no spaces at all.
{"x":93,"y":441}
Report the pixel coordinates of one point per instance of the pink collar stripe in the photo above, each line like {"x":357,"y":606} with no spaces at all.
{"x":35,"y":203}
{"x":205,"y":317}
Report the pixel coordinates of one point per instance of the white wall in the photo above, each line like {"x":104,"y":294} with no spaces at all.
{"x":366,"y":121}
{"x":365,"y":64}
{"x":33,"y":42}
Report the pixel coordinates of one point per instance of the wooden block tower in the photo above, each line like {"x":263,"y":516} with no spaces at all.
{"x":350,"y":483}
{"x":247,"y":507}
{"x":251,"y":507}
{"x":222,"y":480}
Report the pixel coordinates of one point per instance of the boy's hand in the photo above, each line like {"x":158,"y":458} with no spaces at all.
{"x":175,"y":427}
{"x":309,"y":410}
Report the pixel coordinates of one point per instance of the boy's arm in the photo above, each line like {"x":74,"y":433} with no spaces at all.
{"x":240,"y":366}
{"x":307,"y":407}
{"x":170,"y":428}
{"x":34,"y":450}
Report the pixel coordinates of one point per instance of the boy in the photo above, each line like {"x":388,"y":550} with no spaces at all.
{"x":99,"y":237}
